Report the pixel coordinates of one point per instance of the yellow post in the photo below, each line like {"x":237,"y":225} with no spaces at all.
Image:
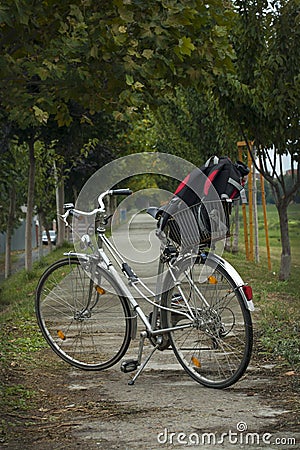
{"x":241,"y":145}
{"x":250,"y":202}
{"x":263,"y":200}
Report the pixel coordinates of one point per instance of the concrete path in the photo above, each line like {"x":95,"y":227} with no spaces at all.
{"x":166,"y":408}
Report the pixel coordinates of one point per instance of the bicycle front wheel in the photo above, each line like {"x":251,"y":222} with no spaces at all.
{"x":86,"y":323}
{"x":214,"y":347}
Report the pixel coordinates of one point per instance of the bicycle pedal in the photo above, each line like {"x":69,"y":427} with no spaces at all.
{"x":129,"y":365}
{"x":177,"y":300}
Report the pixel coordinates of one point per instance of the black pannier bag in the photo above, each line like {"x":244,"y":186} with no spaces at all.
{"x":199,"y":211}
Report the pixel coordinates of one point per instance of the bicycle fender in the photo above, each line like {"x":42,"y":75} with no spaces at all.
{"x":235,"y":277}
{"x":124,"y":292}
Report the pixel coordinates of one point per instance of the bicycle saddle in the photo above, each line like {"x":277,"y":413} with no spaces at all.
{"x":154,"y":212}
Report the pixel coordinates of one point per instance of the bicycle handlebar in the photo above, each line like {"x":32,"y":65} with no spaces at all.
{"x":77,"y":213}
{"x":111,"y":192}
{"x":120,"y":192}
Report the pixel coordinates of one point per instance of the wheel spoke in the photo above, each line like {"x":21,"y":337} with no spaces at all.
{"x":216,"y":350}
{"x":86,"y":329}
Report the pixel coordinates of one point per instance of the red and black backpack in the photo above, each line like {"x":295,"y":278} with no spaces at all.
{"x":194,"y":215}
{"x":220,"y":173}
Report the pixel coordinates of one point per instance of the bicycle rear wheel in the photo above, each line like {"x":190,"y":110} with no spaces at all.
{"x":215,"y":347}
{"x":87,"y":324}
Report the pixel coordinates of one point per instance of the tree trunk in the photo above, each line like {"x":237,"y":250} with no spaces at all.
{"x":49,"y":239}
{"x":30,"y":207}
{"x":227,"y":246}
{"x":285,"y":263}
{"x":60,"y":198}
{"x":41,"y":249}
{"x":9,"y":230}
{"x":255,"y":215}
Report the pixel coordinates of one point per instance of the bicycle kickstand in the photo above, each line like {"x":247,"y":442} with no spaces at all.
{"x":132,"y":364}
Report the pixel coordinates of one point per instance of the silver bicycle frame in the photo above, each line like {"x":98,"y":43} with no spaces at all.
{"x":106,"y":264}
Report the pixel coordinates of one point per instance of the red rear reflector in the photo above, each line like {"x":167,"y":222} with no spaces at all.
{"x":248,"y":292}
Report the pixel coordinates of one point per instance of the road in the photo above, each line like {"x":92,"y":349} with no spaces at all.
{"x":166,"y":408}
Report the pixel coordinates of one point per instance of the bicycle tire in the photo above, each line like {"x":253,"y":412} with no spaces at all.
{"x":87,"y":324}
{"x":216,"y":349}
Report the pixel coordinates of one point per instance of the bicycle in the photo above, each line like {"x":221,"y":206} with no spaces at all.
{"x":88,"y":314}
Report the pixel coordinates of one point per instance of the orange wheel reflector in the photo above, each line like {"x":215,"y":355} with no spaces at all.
{"x":196,"y":361}
{"x":100,"y":290}
{"x":61,"y":335}
{"x":212,"y":280}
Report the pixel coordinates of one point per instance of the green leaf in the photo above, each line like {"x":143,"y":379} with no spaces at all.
{"x":220,"y":31}
{"x":63,"y":116}
{"x":94,"y":51}
{"x":129,"y":79}
{"x":147,"y":53}
{"x":186,"y":46}
{"x":43,"y":73}
{"x":125,"y":14}
{"x":41,"y":116}
{"x":138,"y":86}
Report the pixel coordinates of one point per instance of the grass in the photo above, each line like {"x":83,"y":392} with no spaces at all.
{"x":19,"y":333}
{"x":277,"y":302}
{"x":21,"y":285}
{"x":20,"y":338}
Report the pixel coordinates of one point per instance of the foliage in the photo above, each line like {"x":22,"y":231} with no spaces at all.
{"x":288,"y":181}
{"x":14,"y":163}
{"x":85,"y":147}
{"x":101,"y":55}
{"x":189,"y":124}
{"x":192,"y":125}
{"x":61,"y":64}
{"x":268,"y":89}
{"x":264,"y":96}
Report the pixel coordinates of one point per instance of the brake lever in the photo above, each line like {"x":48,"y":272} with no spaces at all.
{"x":106,"y":219}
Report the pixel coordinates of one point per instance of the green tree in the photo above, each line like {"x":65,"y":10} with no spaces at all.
{"x":265,"y":96}
{"x":192,"y":126}
{"x":45,"y":186}
{"x":102,"y":56}
{"x":77,"y":151}
{"x":189,"y":124}
{"x":14,"y":163}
